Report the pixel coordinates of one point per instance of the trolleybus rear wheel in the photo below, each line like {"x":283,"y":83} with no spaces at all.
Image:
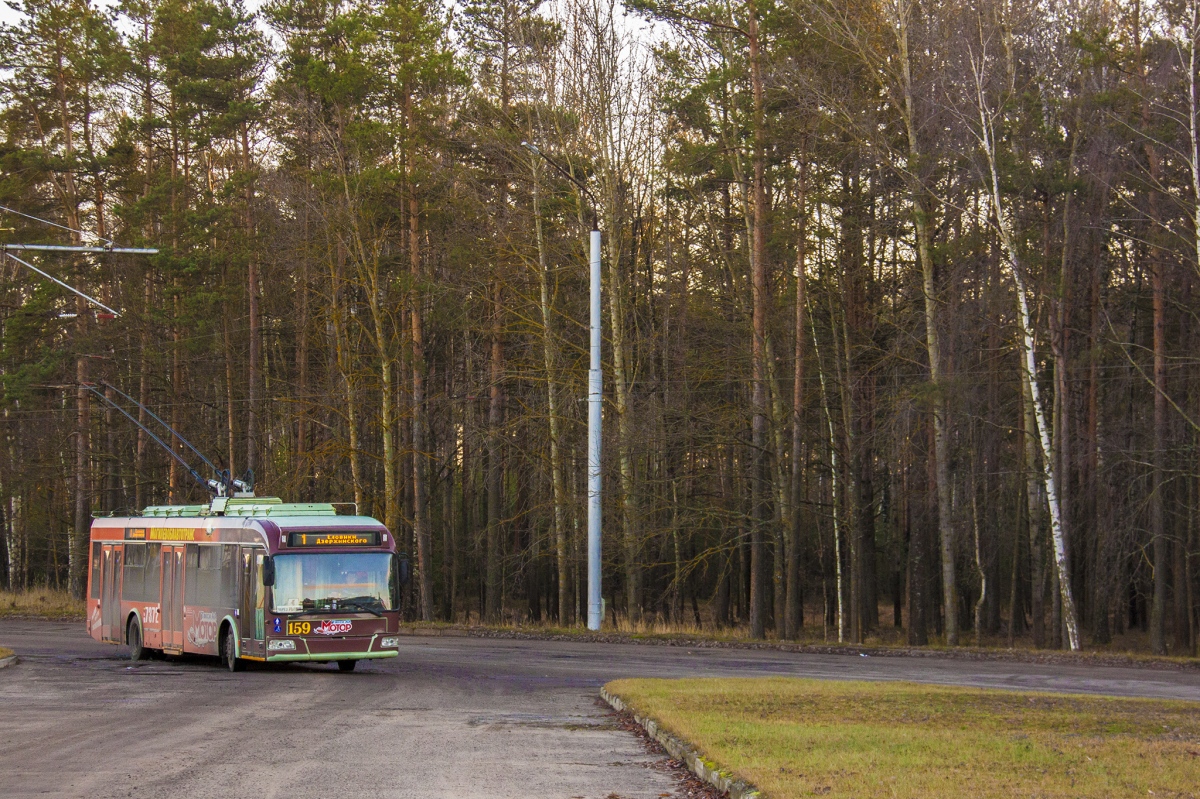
{"x":229,"y":651}
{"x":133,"y":636}
{"x":347,"y":665}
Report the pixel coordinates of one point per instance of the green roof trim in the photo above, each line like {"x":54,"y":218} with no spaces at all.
{"x":165,"y":511}
{"x":274,"y":506}
{"x":244,"y":506}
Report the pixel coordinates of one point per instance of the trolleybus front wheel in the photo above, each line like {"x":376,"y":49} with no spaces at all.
{"x":229,"y":651}
{"x":347,"y":665}
{"x":133,"y":637}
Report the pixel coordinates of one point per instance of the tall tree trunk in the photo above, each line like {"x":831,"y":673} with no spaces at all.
{"x":550,"y":363}
{"x":344,"y":359}
{"x":420,"y":464}
{"x":758,"y":403}
{"x":835,"y":507}
{"x":77,"y":543}
{"x":301,"y":466}
{"x":1160,"y":543}
{"x":492,"y":585}
{"x":230,"y":412}
{"x":253,"y":378}
{"x":1036,"y":502}
{"x":794,"y":611}
{"x":450,"y":520}
{"x":781,"y":493}
{"x":941,"y":408}
{"x":917,"y":582}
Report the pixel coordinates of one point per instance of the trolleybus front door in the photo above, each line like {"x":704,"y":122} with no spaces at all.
{"x":172,"y":598}
{"x":252,"y":608}
{"x":110,"y":597}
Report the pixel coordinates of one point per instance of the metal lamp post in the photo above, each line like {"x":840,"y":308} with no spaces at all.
{"x":595,"y":612}
{"x":595,"y":404}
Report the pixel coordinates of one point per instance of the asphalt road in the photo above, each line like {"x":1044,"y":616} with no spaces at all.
{"x":462,"y":717}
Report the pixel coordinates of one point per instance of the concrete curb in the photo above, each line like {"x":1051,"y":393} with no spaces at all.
{"x":11,"y":660}
{"x":681,"y":750}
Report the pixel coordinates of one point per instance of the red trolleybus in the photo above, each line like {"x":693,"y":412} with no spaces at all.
{"x":247,"y":579}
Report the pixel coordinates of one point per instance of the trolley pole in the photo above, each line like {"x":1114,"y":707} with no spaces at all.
{"x":595,"y":405}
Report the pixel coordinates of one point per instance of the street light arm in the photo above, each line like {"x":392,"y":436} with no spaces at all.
{"x":67,"y":286}
{"x":583,"y":188}
{"x":92,"y":236}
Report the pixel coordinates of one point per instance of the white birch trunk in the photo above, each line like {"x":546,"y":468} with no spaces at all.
{"x":833,"y":473}
{"x":1193,"y":132}
{"x":1029,"y":365}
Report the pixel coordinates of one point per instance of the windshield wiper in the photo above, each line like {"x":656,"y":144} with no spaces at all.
{"x":355,"y":603}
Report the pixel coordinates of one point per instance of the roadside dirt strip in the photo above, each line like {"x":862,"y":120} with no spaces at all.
{"x":452,"y":716}
{"x":710,"y":773}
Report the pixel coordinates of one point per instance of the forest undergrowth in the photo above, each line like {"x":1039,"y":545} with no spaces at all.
{"x":1134,"y":647}
{"x":41,"y":603}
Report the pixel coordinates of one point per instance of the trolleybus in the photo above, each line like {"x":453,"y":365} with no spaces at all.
{"x":247,"y":578}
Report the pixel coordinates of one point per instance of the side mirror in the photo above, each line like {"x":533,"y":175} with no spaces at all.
{"x":405,"y":569}
{"x":268,"y":571}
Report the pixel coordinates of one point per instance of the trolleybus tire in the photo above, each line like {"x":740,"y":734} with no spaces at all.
{"x":229,"y":651}
{"x":133,"y":637}
{"x":347,"y":665}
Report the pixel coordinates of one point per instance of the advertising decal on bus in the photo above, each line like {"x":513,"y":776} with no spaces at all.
{"x":203,"y":631}
{"x":334,"y":627}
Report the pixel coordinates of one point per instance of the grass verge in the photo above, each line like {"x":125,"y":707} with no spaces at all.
{"x":41,"y":603}
{"x":794,"y":738}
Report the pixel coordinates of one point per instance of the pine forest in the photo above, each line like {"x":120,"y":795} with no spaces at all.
{"x":900,"y":299}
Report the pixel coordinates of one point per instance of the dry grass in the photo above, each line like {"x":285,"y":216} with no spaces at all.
{"x":795,"y":738}
{"x":1119,"y":653}
{"x":1133,"y":644}
{"x":41,"y":603}
{"x":5,"y":652}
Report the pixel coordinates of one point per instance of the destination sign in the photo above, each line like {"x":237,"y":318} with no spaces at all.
{"x":160,"y":534}
{"x":368,"y":539}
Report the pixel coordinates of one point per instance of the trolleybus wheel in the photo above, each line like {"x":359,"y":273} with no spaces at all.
{"x":347,"y":665}
{"x":133,"y":636}
{"x":229,"y":651}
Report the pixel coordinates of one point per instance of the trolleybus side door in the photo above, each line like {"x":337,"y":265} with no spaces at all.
{"x":251,"y":613}
{"x":110,"y":596}
{"x":172,"y":597}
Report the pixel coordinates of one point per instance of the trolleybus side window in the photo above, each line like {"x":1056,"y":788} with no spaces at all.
{"x":133,"y":579}
{"x":96,"y":561}
{"x":153,"y":572}
{"x":191,"y":565}
{"x":203,"y":584}
{"x":229,"y":576}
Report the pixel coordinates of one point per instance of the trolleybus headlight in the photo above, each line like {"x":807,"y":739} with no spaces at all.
{"x":389,"y":643}
{"x":285,"y":643}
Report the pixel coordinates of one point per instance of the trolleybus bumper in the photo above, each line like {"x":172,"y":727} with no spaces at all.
{"x":321,"y":650}
{"x":329,"y":656}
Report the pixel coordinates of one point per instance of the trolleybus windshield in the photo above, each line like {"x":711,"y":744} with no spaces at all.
{"x":333,"y":581}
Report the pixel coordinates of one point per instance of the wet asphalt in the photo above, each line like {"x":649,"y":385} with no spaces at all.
{"x":450,"y":717}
